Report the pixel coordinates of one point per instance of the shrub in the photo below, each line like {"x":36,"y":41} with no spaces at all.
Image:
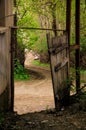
{"x":20,"y":73}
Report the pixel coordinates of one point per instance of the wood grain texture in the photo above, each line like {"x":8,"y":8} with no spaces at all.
{"x":4,"y":60}
{"x":59,"y":68}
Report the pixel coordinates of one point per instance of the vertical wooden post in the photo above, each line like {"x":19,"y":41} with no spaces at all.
{"x":54,"y":25}
{"x":6,"y":20}
{"x":5,"y":11}
{"x":68,"y":19}
{"x":2,"y":13}
{"x":8,"y":11}
{"x":77,"y":53}
{"x":48,"y":44}
{"x":12,"y":70}
{"x":68,"y":30}
{"x":15,"y":34}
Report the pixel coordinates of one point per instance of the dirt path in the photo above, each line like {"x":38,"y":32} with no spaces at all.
{"x":35,"y":94}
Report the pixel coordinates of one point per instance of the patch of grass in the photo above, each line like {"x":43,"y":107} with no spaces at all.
{"x":38,"y":63}
{"x":83,"y":72}
{"x":20,"y":73}
{"x":73,"y":79}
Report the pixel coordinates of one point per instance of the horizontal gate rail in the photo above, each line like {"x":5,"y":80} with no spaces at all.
{"x":56,"y":50}
{"x":26,"y":28}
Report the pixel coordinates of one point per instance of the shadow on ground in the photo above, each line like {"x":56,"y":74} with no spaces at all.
{"x":71,"y":118}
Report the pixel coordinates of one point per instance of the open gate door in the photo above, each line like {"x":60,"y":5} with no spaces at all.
{"x":59,"y":62}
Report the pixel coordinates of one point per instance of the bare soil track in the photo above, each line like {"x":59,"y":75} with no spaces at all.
{"x":35,"y":94}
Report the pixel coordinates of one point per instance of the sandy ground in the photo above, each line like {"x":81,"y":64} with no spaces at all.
{"x":35,"y":94}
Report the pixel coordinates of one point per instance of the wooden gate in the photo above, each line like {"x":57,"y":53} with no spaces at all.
{"x":59,"y":61}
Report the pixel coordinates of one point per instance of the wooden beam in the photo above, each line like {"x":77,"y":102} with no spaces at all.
{"x":32,"y":28}
{"x":6,"y":10}
{"x":2,"y":12}
{"x":68,"y":19}
{"x":12,"y":72}
{"x":77,"y":36}
{"x":74,"y":47}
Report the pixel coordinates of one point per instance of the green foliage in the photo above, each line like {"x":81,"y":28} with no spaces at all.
{"x":73,"y":78}
{"x":35,"y":13}
{"x":38,"y":63}
{"x":40,"y":45}
{"x":26,"y":18}
{"x":73,"y":73}
{"x":20,"y":72}
{"x":83,"y":48}
{"x":83,"y":95}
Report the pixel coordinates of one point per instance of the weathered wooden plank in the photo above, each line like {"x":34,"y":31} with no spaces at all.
{"x":3,"y":64}
{"x":52,"y":60}
{"x":5,"y":68}
{"x":74,"y":47}
{"x":59,"y":67}
{"x":2,"y":30}
{"x":5,"y":56}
